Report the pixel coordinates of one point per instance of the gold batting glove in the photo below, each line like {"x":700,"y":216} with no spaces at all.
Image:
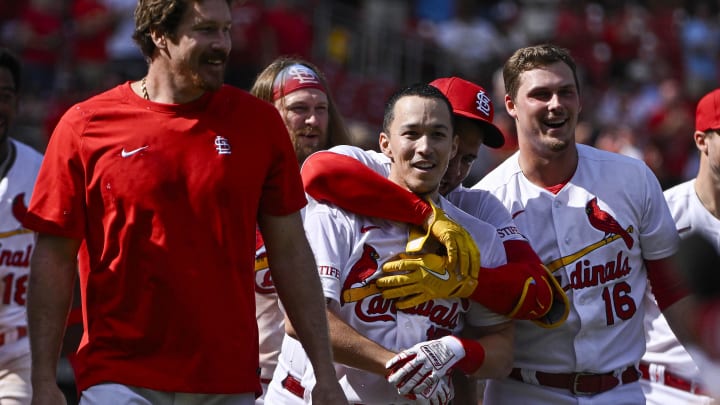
{"x":463,"y":256}
{"x":413,"y":280}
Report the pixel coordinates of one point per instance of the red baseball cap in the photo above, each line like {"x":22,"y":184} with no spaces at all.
{"x":707,"y":115}
{"x":471,"y":101}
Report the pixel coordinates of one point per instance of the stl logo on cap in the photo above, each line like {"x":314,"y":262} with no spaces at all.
{"x":484,"y":104}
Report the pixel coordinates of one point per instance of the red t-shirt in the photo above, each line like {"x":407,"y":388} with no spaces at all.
{"x":166,"y":198}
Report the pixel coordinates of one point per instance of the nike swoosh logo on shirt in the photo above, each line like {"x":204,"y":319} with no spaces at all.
{"x":125,"y":153}
{"x":445,"y":276}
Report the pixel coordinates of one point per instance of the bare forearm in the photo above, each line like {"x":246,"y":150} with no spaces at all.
{"x":498,"y":352}
{"x":355,"y":350}
{"x":352,"y":348}
{"x":679,"y":321}
{"x":294,"y":273}
{"x":52,"y":277}
{"x":299,"y":289}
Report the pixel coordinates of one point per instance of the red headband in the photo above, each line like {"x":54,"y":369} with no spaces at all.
{"x":295,"y":77}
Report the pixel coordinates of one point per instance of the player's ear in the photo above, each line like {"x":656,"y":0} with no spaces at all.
{"x":510,"y":106}
{"x":158,"y":39}
{"x":455,"y":143}
{"x":700,"y":139}
{"x":384,"y":141}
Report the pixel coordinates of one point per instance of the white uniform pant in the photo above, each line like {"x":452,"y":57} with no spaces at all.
{"x":15,"y":388}
{"x":509,"y":391}
{"x":294,"y":379}
{"x":660,"y":394}
{"x":119,"y":394}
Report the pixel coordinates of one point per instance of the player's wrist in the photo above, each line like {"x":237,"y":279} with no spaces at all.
{"x":707,"y":327}
{"x":474,"y":356}
{"x":39,"y":377}
{"x":325,"y":373}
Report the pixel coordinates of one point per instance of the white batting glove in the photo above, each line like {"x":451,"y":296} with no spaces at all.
{"x":440,"y":393}
{"x":422,"y":366}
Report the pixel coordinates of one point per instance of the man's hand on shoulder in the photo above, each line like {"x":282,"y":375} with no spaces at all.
{"x":417,"y":279}
{"x":463,"y":256}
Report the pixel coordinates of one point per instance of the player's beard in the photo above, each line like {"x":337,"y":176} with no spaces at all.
{"x":206,"y":76}
{"x":305,"y":146}
{"x":558,"y":145}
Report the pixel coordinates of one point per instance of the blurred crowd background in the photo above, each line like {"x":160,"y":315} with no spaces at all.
{"x":643,"y":64}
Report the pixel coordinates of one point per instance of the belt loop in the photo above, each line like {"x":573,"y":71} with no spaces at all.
{"x":657,"y":373}
{"x":529,"y":376}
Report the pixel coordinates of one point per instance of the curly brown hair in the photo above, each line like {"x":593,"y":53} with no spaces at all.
{"x":162,"y":16}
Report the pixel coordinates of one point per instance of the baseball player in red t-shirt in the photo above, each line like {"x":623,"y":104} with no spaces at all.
{"x":158,"y":185}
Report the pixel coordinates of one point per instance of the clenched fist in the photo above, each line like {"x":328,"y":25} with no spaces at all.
{"x":463,"y":256}
{"x":417,"y":279}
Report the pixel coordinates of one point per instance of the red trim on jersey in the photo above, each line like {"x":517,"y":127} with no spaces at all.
{"x":364,"y":191}
{"x":666,"y":283}
{"x":556,"y":188}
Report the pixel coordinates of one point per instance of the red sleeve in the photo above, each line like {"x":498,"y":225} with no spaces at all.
{"x":344,"y":181}
{"x":520,"y":251}
{"x":666,"y":283}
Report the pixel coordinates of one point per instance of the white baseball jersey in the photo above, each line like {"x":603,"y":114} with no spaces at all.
{"x":269,"y":315}
{"x":479,"y":203}
{"x":664,"y":351}
{"x":349,"y":251}
{"x":16,"y":246}
{"x":595,"y":234}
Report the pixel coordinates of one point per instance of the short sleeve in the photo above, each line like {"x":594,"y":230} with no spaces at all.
{"x":58,"y":202}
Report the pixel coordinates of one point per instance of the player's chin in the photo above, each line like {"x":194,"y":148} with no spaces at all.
{"x":423,"y":187}
{"x":213,"y":79}
{"x":447,"y":186}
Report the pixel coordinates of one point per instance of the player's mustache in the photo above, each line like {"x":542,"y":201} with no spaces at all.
{"x":216,"y":55}
{"x":310,"y":130}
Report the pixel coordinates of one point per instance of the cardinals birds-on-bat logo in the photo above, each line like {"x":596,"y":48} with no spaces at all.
{"x":365,"y":267}
{"x":603,"y":221}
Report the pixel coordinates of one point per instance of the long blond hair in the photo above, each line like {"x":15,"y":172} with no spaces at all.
{"x":263,"y":89}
